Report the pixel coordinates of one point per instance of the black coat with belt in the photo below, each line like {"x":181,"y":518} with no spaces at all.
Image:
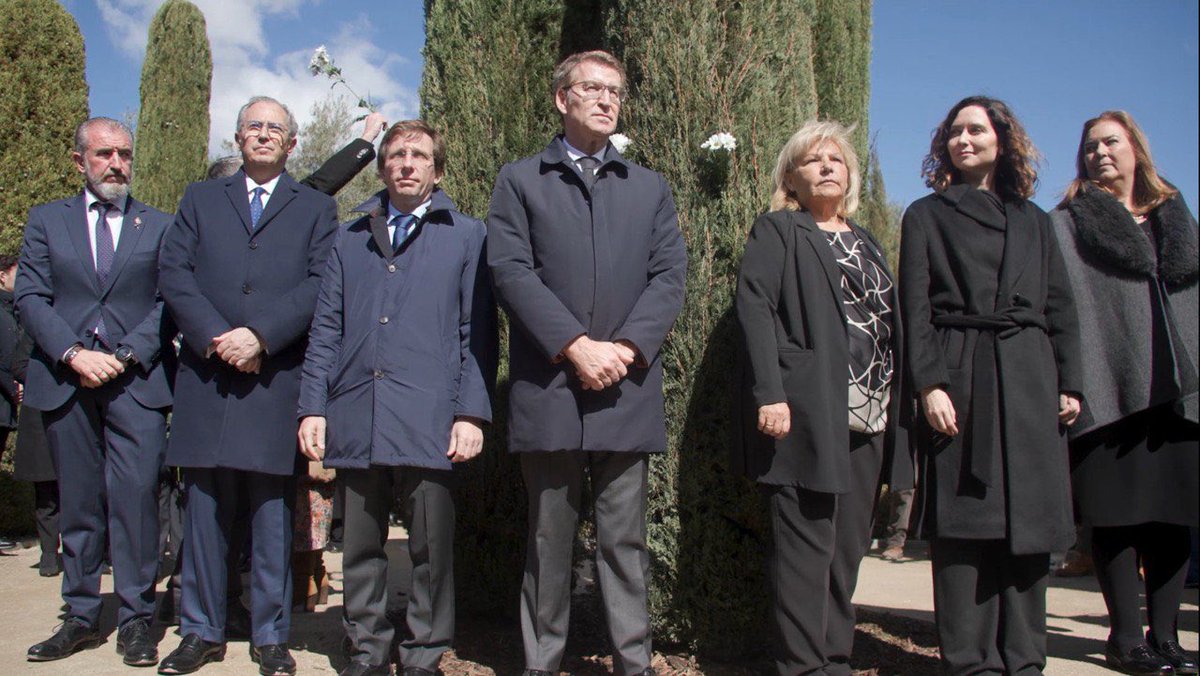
{"x":963,"y":265}
{"x":789,"y":306}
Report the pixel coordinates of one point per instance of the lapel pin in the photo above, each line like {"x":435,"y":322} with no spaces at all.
{"x":137,"y":221}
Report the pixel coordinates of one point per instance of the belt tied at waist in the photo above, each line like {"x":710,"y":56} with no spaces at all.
{"x":984,"y":446}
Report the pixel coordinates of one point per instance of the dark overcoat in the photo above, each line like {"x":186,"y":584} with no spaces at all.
{"x":566,"y":261}
{"x":10,"y":340}
{"x":216,"y":274}
{"x":59,"y":300}
{"x":790,"y":307}
{"x":402,"y":342}
{"x":961,"y":262}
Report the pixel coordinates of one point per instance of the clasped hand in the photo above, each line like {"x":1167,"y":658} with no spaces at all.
{"x":598,"y":363}
{"x":240,"y":348}
{"x":96,"y":368}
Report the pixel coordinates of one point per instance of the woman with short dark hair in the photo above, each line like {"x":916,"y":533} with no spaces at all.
{"x":992,"y":352}
{"x":1130,"y":246}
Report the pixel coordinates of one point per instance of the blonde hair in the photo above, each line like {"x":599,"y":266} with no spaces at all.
{"x":805,"y":139}
{"x":1149,"y":190}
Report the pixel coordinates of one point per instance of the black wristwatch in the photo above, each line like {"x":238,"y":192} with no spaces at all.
{"x":125,"y":355}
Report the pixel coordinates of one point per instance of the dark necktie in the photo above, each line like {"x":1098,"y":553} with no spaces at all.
{"x":402,"y":222}
{"x":256,"y":207}
{"x":587,"y":167}
{"x":104,"y":257}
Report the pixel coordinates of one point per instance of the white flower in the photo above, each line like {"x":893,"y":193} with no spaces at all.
{"x":320,"y":61}
{"x":720,"y":141}
{"x":620,"y":142}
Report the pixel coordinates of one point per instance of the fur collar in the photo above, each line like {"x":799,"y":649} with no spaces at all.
{"x":1108,"y":231}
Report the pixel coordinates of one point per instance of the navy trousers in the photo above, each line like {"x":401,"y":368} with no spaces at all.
{"x":212,"y":505}
{"x":107,"y":444}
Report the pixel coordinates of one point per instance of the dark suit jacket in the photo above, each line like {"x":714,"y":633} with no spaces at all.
{"x":60,"y":300}
{"x":341,"y":168}
{"x":789,"y":306}
{"x":609,"y":263}
{"x":217,"y":274}
{"x":947,"y":240}
{"x":390,"y":389}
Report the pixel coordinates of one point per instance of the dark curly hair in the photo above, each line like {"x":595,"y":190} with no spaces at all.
{"x":1015,"y":176}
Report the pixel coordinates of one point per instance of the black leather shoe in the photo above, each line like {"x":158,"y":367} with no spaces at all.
{"x":364,"y":669}
{"x":1175,"y":655}
{"x":137,"y":644}
{"x":193,"y":652}
{"x":273,"y":660}
{"x":538,"y":672}
{"x":1140,"y":660}
{"x":74,"y":635}
{"x":418,"y":671}
{"x":237,"y":621}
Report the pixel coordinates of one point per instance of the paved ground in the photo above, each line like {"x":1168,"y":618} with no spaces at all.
{"x":30,"y":606}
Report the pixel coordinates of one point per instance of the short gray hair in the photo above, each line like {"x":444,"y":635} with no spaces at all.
{"x":291,"y":119}
{"x":84,"y":127}
{"x":562,"y":72}
{"x":805,"y":139}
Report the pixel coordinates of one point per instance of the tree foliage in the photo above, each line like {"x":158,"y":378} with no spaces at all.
{"x":842,"y":65}
{"x":43,"y":95}
{"x":172,"y":132}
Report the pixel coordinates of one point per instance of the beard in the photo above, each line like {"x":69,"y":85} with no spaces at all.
{"x":109,"y":192}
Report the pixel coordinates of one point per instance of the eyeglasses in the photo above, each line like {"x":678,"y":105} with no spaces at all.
{"x":589,"y":90}
{"x":273,"y":128}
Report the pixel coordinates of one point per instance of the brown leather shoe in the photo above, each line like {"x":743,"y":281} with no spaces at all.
{"x":1075,"y":564}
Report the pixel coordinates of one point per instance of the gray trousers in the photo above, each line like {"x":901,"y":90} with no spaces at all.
{"x":990,"y":607}
{"x":554,"y":481}
{"x":428,"y":510}
{"x":818,"y":542}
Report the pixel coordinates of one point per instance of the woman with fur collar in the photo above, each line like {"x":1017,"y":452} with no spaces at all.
{"x":1130,"y":247}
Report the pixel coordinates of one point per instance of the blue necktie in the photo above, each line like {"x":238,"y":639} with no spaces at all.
{"x":256,"y":207}
{"x":403,"y":223}
{"x":104,"y":257}
{"x":587,"y":167}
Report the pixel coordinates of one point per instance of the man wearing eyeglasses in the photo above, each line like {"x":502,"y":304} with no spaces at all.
{"x":589,"y":263}
{"x":87,"y":292}
{"x":240,"y":272}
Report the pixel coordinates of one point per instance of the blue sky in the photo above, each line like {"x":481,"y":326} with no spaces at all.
{"x":1057,"y":62}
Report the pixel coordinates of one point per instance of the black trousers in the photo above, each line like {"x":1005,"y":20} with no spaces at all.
{"x":818,"y":542}
{"x":1163,"y":550}
{"x":428,"y":509}
{"x":45,"y":518}
{"x":990,"y":607}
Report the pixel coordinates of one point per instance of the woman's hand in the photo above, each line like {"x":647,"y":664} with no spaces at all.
{"x":939,"y":410}
{"x":775,"y":420}
{"x":1068,"y":408}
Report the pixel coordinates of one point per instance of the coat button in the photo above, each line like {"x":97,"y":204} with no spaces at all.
{"x":391,"y":267}
{"x":246,"y":289}
{"x":253,"y":245}
{"x":383,"y":320}
{"x":379,"y":375}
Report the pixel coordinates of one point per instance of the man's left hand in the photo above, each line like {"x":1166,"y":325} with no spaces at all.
{"x":466,"y":439}
{"x":237,"y":347}
{"x":1069,"y":408}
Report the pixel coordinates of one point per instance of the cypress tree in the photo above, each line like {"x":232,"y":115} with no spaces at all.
{"x":697,"y":67}
{"x":172,"y":132}
{"x":842,"y":65}
{"x":43,"y":95}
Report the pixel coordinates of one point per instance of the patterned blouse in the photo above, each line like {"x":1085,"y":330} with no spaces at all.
{"x":866,"y":289}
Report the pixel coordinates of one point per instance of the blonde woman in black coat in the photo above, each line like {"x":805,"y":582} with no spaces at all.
{"x":1130,"y":246}
{"x":816,"y":306}
{"x":993,"y":354}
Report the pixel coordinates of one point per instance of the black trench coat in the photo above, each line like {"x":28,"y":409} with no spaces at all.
{"x":789,"y":306}
{"x":959,"y":260}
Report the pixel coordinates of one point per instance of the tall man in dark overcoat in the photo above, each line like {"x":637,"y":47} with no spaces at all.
{"x":87,"y":292}
{"x":240,"y":271}
{"x":588,"y":261}
{"x":395,"y":391}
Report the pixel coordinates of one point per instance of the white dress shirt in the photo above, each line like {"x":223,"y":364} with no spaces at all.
{"x":116,"y":218}
{"x":268,"y":190}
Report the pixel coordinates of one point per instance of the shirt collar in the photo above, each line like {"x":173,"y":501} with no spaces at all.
{"x":575,"y":153}
{"x":268,"y":187}
{"x":416,"y":213}
{"x":90,"y":198}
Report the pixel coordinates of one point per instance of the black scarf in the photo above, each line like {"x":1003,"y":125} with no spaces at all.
{"x":1108,"y":232}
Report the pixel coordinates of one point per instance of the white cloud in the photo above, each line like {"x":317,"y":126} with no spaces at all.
{"x":244,"y":64}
